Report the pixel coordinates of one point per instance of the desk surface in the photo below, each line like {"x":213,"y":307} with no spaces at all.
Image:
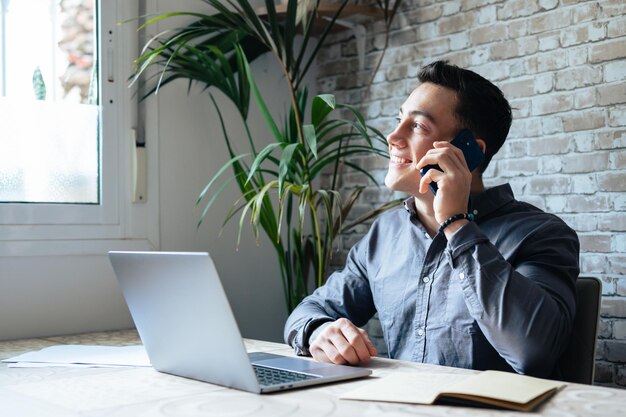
{"x":117,"y":392}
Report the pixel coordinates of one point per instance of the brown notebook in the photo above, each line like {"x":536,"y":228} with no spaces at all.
{"x":488,"y":389}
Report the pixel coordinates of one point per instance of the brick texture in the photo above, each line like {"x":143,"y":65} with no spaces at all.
{"x":562,"y":65}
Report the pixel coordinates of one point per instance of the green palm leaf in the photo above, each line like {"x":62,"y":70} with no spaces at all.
{"x":310,"y":138}
{"x":321,"y":107}
{"x":285,"y":162}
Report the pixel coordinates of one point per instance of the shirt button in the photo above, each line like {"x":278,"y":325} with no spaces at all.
{"x":426,"y":235}
{"x":461,"y":276}
{"x":420,"y":331}
{"x":475,"y":212}
{"x":426,"y":280}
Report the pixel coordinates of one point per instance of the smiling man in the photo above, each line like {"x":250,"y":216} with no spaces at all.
{"x":466,"y":277}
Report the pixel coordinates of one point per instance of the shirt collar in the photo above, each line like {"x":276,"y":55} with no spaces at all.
{"x":486,"y":202}
{"x":480,"y":204}
{"x":409,"y":206}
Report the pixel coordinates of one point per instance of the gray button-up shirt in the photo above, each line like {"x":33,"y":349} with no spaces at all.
{"x":499,"y":295}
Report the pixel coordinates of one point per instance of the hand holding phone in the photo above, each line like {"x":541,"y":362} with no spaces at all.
{"x":465,"y":141}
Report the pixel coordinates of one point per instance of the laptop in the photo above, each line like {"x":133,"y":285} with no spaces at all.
{"x":186,"y":324}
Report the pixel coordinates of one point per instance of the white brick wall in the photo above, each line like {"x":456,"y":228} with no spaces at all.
{"x":562,"y":65}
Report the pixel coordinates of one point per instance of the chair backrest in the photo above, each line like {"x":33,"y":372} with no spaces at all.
{"x":577,"y":363}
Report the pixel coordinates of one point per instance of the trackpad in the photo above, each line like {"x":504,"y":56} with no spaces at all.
{"x":301,"y":365}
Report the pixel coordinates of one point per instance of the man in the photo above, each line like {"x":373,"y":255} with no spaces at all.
{"x":494,"y":290}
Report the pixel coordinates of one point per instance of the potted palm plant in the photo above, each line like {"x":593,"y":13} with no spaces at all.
{"x":281,"y":191}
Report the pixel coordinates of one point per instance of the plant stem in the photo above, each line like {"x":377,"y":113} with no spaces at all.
{"x":320,"y":261}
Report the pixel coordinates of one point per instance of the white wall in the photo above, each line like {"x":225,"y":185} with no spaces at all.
{"x":53,"y":295}
{"x":191,"y":150}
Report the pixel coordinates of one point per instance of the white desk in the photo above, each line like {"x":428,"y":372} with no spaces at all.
{"x":143,"y":392}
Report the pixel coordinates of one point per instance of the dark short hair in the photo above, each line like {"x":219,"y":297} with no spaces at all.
{"x":481,"y":108}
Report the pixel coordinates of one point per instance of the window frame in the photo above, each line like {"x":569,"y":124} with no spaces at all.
{"x":32,"y":229}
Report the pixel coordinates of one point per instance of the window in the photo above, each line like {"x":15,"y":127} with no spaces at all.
{"x":66,"y":125}
{"x":49,"y":102}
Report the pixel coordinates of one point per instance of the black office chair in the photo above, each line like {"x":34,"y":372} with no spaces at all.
{"x":577,"y":363}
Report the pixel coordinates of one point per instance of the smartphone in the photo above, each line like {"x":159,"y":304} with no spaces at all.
{"x":465,"y":141}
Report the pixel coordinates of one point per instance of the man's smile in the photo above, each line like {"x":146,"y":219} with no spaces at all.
{"x":399,"y":160}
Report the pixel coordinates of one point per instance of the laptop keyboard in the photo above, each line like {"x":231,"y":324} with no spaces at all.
{"x":270,"y":376}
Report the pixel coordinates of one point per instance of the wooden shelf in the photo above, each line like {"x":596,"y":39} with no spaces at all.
{"x":353,"y":13}
{"x":353,"y":17}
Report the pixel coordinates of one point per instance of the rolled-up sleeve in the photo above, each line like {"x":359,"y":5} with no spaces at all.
{"x":524,"y":305}
{"x":345,"y":294}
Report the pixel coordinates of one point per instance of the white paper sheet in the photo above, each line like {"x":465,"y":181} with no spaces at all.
{"x":82,"y":355}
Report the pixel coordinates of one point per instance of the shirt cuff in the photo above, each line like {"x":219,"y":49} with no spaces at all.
{"x":308,"y":331}
{"x":317,"y":332}
{"x":465,"y":238}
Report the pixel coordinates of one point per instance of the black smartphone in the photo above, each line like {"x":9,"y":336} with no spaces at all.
{"x":465,"y":141}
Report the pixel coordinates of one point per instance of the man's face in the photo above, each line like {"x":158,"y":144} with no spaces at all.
{"x":427,"y":116}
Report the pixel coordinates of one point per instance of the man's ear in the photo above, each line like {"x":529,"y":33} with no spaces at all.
{"x":482,"y":144}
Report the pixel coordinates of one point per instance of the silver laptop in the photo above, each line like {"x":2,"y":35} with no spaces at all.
{"x":188,"y":329}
